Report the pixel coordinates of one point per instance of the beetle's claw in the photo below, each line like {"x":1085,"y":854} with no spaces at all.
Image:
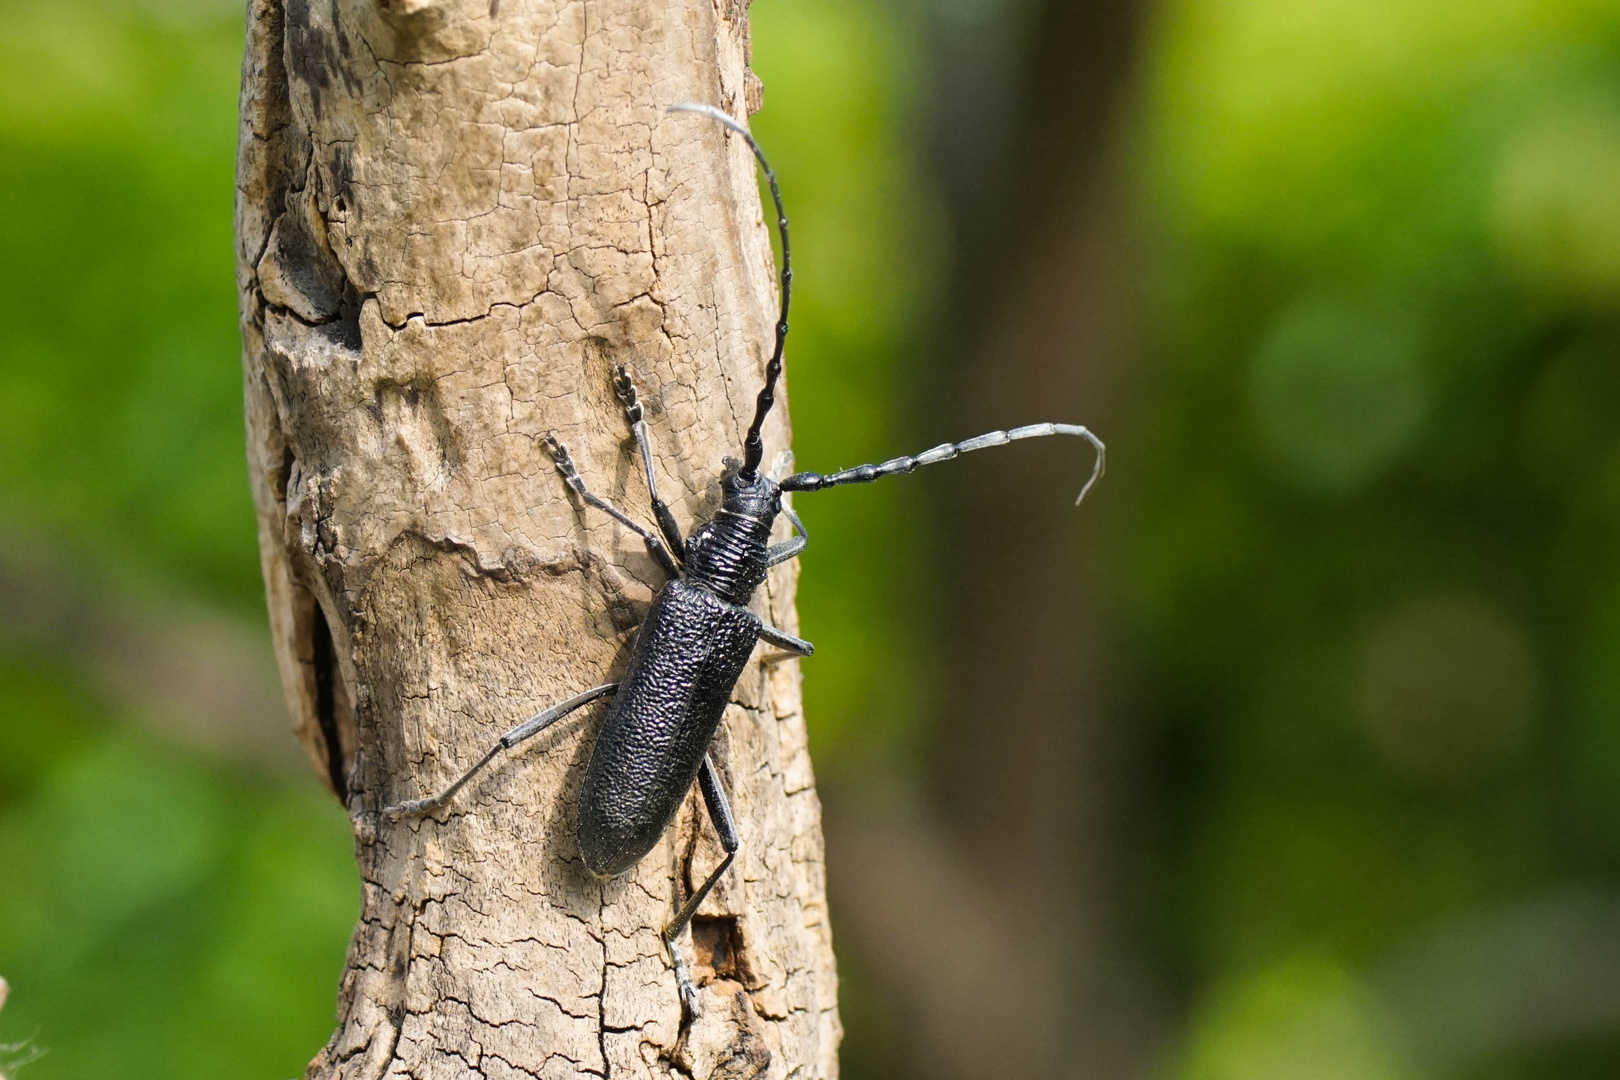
{"x":557,"y":451}
{"x":683,"y":981}
{"x":689,"y":999}
{"x":623,"y":386}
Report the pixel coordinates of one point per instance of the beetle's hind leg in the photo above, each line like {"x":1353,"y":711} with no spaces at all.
{"x":626,"y":390}
{"x":530,"y":727}
{"x":714,"y":798}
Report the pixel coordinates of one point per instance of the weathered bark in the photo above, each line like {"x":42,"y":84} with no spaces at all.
{"x":455,"y":218}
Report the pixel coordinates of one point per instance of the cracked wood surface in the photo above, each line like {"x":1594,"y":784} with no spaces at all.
{"x":454,"y":218}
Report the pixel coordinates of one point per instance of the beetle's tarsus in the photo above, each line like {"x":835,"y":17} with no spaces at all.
{"x":683,"y":980}
{"x":626,"y":389}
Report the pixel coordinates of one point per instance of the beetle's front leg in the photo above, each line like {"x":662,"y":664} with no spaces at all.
{"x":626,"y":389}
{"x":565,"y":465}
{"x":787,"y":549}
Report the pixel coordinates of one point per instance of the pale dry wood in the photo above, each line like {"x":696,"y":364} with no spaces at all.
{"x":455,"y":217}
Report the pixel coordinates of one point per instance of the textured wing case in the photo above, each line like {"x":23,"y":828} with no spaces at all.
{"x":683,"y":666}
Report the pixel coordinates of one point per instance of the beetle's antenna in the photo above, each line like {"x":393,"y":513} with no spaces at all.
{"x":753,"y":447}
{"x":865,"y":474}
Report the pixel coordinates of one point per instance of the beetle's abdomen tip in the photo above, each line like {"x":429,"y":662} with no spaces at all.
{"x":609,"y":852}
{"x":605,"y":867}
{"x":601,"y":873}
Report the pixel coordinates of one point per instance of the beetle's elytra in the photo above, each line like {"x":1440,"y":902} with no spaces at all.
{"x":661,"y":722}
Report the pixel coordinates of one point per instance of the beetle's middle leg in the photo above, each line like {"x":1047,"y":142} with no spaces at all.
{"x":714,"y":798}
{"x":784,"y":640}
{"x":632,"y":412}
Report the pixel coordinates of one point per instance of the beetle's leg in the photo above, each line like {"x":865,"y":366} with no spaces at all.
{"x":632,"y":412}
{"x":783,"y":640}
{"x":714,"y":798}
{"x":779,"y":467}
{"x":787,"y":549}
{"x":565,"y":465}
{"x":530,"y":727}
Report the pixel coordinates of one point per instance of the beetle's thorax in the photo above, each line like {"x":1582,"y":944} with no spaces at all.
{"x":726,"y":555}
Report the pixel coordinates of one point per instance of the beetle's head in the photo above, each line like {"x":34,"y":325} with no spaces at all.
{"x":754,"y":495}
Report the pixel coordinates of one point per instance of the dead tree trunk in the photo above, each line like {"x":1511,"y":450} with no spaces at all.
{"x":455,"y":218}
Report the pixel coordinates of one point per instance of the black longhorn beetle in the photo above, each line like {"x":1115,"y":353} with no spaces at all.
{"x":699,"y":633}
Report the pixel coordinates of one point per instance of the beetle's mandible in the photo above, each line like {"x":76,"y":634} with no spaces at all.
{"x":698,"y":635}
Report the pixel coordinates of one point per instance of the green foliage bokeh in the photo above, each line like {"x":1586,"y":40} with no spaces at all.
{"x":1372,"y":562}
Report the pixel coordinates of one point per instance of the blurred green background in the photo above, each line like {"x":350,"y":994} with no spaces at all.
{"x":1353,"y":577}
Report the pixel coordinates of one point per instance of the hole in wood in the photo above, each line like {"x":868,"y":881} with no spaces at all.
{"x":717,"y":947}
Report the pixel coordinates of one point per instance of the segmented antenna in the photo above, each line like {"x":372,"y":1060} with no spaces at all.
{"x":865,"y":474}
{"x":753,"y":447}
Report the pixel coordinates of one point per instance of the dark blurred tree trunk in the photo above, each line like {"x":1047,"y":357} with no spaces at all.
{"x":1005,"y":945}
{"x":1031,"y":757}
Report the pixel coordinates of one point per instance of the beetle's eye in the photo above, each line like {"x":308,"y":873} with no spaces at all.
{"x":730,"y":467}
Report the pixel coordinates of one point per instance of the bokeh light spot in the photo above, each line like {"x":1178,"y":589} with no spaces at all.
{"x":1556,"y":208}
{"x":1337,"y":393}
{"x":1448,"y":689}
{"x":1303,"y":1019}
